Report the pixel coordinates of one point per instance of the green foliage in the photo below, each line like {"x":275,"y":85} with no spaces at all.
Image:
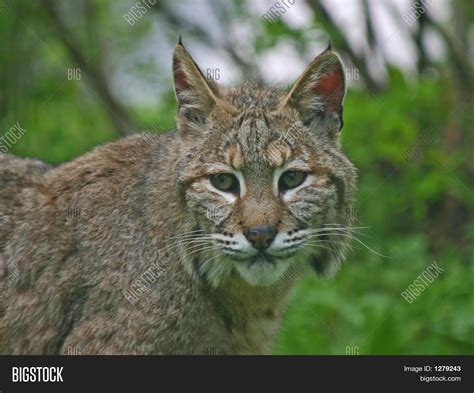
{"x":363,"y":307}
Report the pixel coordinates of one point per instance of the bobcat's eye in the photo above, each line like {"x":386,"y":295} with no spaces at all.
{"x":291,"y":179}
{"x":225,"y":182}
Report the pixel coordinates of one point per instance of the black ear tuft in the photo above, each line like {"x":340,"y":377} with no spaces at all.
{"x":329,"y":46}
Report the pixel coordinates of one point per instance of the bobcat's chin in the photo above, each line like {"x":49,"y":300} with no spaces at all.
{"x":262,"y":269}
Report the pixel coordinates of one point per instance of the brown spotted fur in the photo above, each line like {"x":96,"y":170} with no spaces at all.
{"x":63,"y":274}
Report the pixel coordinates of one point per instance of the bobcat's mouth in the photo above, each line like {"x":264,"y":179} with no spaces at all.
{"x":262,"y":257}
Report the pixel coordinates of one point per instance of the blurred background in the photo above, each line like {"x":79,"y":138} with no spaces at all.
{"x":74,"y":74}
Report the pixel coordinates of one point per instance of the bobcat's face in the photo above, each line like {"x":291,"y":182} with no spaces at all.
{"x":260,"y":189}
{"x":266,"y":185}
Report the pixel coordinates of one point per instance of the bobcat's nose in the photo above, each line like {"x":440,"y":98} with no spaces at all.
{"x":260,"y":237}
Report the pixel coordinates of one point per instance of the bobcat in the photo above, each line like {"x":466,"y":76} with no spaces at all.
{"x":188,"y":242}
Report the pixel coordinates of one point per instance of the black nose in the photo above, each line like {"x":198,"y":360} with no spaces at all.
{"x":261,"y":237}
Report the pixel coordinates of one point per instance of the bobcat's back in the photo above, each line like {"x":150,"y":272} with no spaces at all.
{"x":16,"y":175}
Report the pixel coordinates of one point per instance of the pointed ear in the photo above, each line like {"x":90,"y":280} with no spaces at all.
{"x":196,"y":96}
{"x":319,"y":92}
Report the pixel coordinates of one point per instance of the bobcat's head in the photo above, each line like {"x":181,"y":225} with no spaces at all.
{"x":262,"y":173}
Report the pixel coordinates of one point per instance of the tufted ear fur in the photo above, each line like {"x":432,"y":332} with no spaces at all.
{"x":195,"y":95}
{"x":319,"y":92}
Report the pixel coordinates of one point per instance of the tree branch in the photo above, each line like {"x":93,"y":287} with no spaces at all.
{"x":178,"y":23}
{"x":118,"y":115}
